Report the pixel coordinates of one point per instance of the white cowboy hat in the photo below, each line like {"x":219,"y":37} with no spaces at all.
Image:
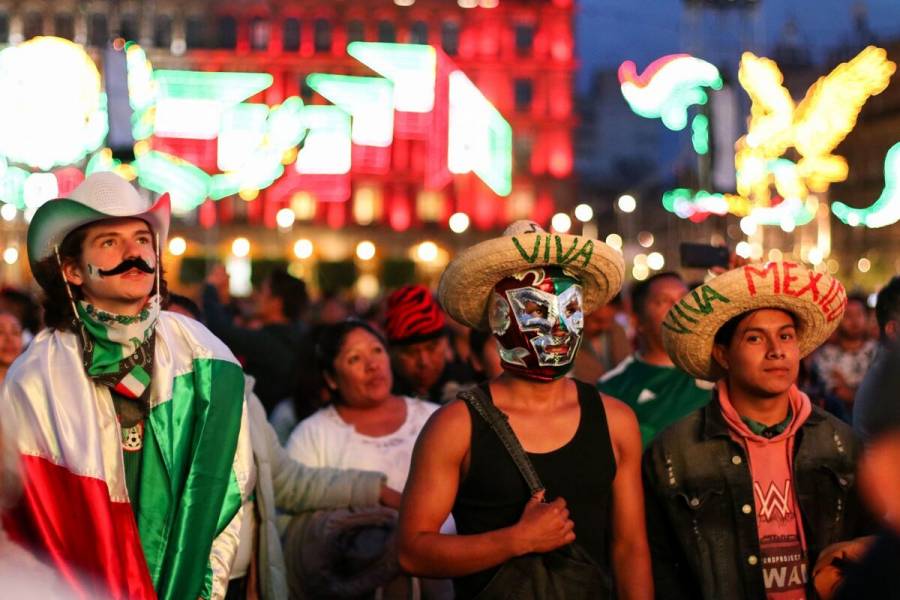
{"x":100,"y":196}
{"x":816,"y":300}
{"x":467,"y":282}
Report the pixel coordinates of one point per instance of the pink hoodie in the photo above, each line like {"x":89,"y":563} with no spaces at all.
{"x":778,"y":522}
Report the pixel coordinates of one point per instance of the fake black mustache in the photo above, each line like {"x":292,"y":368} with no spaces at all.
{"x":126,"y":265}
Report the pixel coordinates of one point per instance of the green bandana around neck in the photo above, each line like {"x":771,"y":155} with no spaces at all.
{"x":119,"y":355}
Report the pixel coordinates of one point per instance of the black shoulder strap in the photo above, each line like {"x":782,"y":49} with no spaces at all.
{"x":477,"y":399}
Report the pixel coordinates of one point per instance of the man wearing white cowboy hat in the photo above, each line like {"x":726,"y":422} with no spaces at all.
{"x":579,"y":479}
{"x":745,"y":493}
{"x":132,"y":428}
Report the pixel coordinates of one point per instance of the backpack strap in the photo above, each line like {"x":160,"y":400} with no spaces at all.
{"x":499,"y":422}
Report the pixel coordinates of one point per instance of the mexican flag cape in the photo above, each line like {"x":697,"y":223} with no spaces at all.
{"x":195,"y":466}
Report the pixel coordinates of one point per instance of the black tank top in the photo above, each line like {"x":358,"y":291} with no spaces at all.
{"x":493,"y":493}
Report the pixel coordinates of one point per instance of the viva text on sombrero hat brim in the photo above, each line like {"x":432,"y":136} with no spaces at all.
{"x":466,"y":283}
{"x":816,"y":300}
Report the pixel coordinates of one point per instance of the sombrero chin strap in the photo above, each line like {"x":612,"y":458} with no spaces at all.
{"x":76,"y":321}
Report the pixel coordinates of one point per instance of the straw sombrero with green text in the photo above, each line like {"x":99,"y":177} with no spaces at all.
{"x":816,"y":300}
{"x":467,"y":282}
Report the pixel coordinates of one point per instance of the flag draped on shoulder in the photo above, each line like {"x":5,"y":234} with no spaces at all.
{"x":75,"y":509}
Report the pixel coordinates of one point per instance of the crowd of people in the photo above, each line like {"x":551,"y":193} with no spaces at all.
{"x":529,"y":430}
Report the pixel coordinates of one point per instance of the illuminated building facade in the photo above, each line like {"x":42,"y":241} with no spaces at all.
{"x":518,"y":53}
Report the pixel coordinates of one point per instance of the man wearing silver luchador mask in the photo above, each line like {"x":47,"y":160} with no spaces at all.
{"x":577,"y":494}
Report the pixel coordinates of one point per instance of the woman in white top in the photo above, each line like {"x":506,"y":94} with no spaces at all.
{"x":364,"y":426}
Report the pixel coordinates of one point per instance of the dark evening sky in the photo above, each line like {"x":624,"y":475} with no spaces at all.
{"x":611,"y":31}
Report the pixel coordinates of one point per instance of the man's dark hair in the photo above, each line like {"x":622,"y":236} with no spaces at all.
{"x":292,"y":292}
{"x":187,"y":304}
{"x":24,"y":307}
{"x":640,"y":291}
{"x":863,"y":301}
{"x":887,"y":307}
{"x":478,"y":340}
{"x":726,"y":332}
{"x":57,"y":306}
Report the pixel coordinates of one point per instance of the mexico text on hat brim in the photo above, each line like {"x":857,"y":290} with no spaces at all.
{"x":468,"y":280}
{"x":56,"y":219}
{"x":816,"y":300}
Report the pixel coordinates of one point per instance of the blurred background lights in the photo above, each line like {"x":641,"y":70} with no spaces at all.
{"x":742,"y":249}
{"x":584,"y":213}
{"x":640,"y":272}
{"x":240,"y":247}
{"x":863,"y":264}
{"x":775,"y":255}
{"x":303,"y":248}
{"x":787,"y":224}
{"x":368,"y":286}
{"x":427,"y":252}
{"x":177,"y":246}
{"x":285,"y":218}
{"x":656,"y":261}
{"x":8,"y":212}
{"x":833,"y":266}
{"x":815,"y":256}
{"x":365,"y":250}
{"x":561,"y":222}
{"x":640,"y":259}
{"x":10,"y":255}
{"x":645,"y":239}
{"x":627,"y":203}
{"x":458,"y":222}
{"x":614,"y":240}
{"x":748,"y":226}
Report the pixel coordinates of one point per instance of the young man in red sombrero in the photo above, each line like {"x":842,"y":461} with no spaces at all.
{"x":579,"y":480}
{"x":131,"y":429}
{"x":745,"y":493}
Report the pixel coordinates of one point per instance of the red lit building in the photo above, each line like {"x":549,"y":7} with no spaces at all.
{"x":519,"y":53}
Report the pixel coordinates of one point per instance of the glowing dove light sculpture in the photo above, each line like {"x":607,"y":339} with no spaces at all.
{"x":668,"y":87}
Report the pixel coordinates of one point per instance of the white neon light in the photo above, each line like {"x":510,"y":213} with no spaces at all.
{"x":51,"y":109}
{"x":327,"y":150}
{"x":480,"y":139}
{"x":40,"y":188}
{"x":369,"y":100}
{"x":412,"y":68}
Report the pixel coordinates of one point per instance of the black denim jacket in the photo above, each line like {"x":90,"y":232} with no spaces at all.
{"x":700,"y":519}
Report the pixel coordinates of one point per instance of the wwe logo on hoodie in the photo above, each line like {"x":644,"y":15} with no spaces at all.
{"x":773,"y":500}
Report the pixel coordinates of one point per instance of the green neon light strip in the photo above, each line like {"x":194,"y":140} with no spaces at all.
{"x":187,"y":184}
{"x":886,"y":209}
{"x":227,"y":88}
{"x":700,"y":134}
{"x":12,"y":187}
